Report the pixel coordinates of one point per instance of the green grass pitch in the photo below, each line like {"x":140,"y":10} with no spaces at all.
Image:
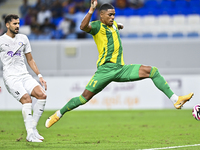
{"x":104,"y":130}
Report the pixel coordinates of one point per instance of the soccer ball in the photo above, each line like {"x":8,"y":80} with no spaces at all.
{"x":196,"y":112}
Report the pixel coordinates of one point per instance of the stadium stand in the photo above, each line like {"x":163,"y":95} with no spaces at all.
{"x":155,"y":18}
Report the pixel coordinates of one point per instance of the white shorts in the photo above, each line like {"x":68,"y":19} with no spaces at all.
{"x":20,"y":85}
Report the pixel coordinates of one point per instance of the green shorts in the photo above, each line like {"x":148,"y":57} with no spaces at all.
{"x":112,"y":72}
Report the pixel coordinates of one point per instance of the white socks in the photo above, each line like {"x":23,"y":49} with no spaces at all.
{"x":38,"y":109}
{"x":59,"y":114}
{"x":28,"y":118}
{"x":174,"y":98}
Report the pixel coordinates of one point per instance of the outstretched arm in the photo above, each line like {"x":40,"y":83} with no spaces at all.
{"x":85,"y":22}
{"x":34,"y":67}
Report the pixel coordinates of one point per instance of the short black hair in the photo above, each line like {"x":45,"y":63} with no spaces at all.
{"x":10,"y":17}
{"x":106,"y":6}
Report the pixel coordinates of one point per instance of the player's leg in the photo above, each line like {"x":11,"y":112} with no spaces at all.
{"x":77,"y":101}
{"x":38,"y":109}
{"x":34,"y":89}
{"x":161,"y":84}
{"x":28,"y":118}
{"x":101,"y":79}
{"x":158,"y":80}
{"x":72,"y":104}
{"x":16,"y":89}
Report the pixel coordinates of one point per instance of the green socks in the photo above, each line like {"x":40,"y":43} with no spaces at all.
{"x":160,"y":82}
{"x":73,"y":103}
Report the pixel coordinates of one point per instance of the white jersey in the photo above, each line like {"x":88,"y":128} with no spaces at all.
{"x":12,"y":51}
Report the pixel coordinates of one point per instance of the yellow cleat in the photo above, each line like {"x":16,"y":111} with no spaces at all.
{"x":51,"y":120}
{"x":182,"y":100}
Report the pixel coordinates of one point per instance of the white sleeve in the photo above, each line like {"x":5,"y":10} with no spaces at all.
{"x":27,"y":46}
{"x":0,"y":44}
{"x":0,"y":47}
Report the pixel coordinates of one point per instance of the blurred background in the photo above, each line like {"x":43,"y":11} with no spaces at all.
{"x":60,"y":19}
{"x":161,"y":33}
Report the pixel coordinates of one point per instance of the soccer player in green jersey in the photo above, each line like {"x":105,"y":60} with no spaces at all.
{"x":110,"y":64}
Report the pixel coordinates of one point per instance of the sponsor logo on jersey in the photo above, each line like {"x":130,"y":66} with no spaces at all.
{"x":10,"y":53}
{"x":20,"y":43}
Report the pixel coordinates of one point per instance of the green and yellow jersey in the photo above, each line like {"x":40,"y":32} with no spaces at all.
{"x":108,"y":43}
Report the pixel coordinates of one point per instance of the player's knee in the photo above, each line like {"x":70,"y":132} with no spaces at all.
{"x":87,"y":94}
{"x":148,"y":69}
{"x":154,"y":72}
{"x":41,"y":95}
{"x":144,"y":71}
{"x":25,"y":99}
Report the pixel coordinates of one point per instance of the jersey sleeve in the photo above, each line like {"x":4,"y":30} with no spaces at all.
{"x":1,"y":44}
{"x":27,"y":48}
{"x":95,"y":27}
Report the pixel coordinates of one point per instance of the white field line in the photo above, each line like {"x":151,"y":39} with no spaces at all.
{"x":173,"y":147}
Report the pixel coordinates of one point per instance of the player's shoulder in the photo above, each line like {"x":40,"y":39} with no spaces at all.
{"x":97,"y":22}
{"x":2,"y":38}
{"x":21,"y":35}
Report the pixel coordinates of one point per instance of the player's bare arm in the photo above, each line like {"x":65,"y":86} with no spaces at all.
{"x":32,"y":64}
{"x":85,"y":22}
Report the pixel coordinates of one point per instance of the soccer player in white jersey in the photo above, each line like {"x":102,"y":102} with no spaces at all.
{"x":19,"y":83}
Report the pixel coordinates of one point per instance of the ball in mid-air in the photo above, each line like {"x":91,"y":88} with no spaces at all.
{"x":196,"y":112}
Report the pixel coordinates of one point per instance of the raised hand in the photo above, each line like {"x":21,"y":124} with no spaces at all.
{"x":94,"y":4}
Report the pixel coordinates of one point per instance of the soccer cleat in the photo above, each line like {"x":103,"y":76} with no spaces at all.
{"x":31,"y":138}
{"x":51,"y":120}
{"x":37,"y":135}
{"x":182,"y":100}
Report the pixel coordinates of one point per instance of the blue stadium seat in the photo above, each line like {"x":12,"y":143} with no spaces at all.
{"x":194,"y":3}
{"x":166,"y":3}
{"x":125,"y":12}
{"x":193,"y":34}
{"x":154,"y":11}
{"x":119,"y":12}
{"x":130,"y":12}
{"x":158,"y":11}
{"x":177,"y":35}
{"x":147,"y":35}
{"x":132,"y":35}
{"x":142,"y":11}
{"x":181,"y":10}
{"x":168,"y":11}
{"x":151,"y":4}
{"x":162,"y":35}
{"x":194,"y":10}
{"x":149,"y":11}
{"x":181,"y":3}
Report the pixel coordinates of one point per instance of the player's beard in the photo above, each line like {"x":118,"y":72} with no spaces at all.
{"x":13,"y":31}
